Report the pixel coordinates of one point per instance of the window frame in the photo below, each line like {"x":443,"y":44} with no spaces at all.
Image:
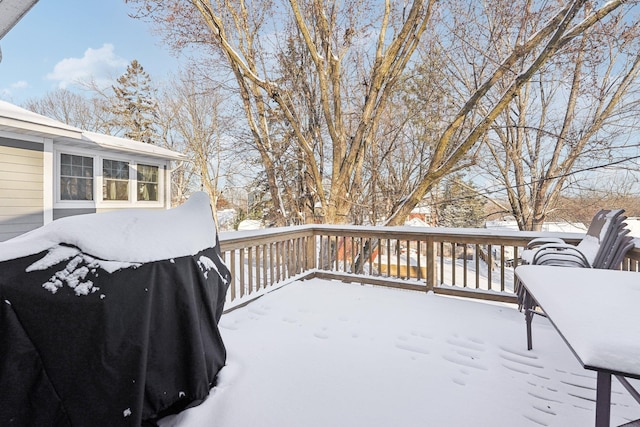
{"x":59,"y":202}
{"x":98,"y":180}
{"x":159,"y":193}
{"x":105,"y":180}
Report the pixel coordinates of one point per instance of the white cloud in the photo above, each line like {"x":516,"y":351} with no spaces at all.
{"x":6,"y":93}
{"x":20,"y":85}
{"x":99,"y":65}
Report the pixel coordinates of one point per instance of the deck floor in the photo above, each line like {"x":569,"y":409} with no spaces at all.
{"x":322,"y":353}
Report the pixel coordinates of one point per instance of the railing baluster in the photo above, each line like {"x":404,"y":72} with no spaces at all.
{"x":258,"y":267}
{"x":265,"y":266}
{"x":464,"y":266}
{"x":398,"y":251}
{"x":501,"y":268}
{"x":242,"y":275}
{"x":233,"y":274}
{"x":453,"y":263}
{"x":477,"y":259}
{"x":369,"y":244}
{"x":418,"y":256}
{"x":489,"y":267}
{"x":441,"y":263}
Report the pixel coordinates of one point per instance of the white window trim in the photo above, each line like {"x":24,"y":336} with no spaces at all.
{"x":72,"y":204}
{"x":98,"y":179}
{"x":102,"y":179}
{"x":161,"y":180}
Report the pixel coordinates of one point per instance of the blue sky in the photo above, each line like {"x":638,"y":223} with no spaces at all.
{"x":58,"y":42}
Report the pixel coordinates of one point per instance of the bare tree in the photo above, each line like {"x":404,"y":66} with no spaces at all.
{"x":355,"y":53}
{"x":336,"y":37}
{"x":536,"y":36}
{"x":192,"y":122}
{"x":70,"y":108}
{"x":569,"y":117}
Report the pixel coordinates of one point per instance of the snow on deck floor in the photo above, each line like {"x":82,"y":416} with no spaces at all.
{"x":322,"y":353}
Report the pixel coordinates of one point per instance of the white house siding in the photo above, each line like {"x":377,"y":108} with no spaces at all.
{"x":21,"y":187}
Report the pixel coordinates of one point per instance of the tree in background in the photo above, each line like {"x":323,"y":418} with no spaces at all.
{"x":324,"y":90}
{"x":576,"y":113}
{"x":486,"y":75}
{"x":460,"y":204}
{"x":134,"y":107}
{"x":74,"y":109}
{"x":355,"y":52}
{"x":192,"y":120}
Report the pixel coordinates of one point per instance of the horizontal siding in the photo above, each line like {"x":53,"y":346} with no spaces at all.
{"x":16,"y":168}
{"x":11,"y":211}
{"x":21,"y":176}
{"x":21,"y":189}
{"x":18,"y":226}
{"x":17,"y":155}
{"x":6,"y":184}
{"x":32,"y":218}
{"x":8,"y":203}
{"x":20,"y":193}
{"x":14,"y":231}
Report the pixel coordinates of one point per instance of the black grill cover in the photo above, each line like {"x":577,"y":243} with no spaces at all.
{"x":141,"y":344}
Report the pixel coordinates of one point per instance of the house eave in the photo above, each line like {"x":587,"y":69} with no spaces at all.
{"x":38,"y":129}
{"x":129,"y":146}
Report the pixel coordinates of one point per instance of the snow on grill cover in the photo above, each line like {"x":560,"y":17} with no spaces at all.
{"x":111,"y":319}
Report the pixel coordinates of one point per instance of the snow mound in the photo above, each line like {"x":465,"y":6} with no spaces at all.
{"x":132,"y":235}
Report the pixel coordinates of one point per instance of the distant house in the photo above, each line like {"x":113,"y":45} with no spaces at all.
{"x":49,"y":170}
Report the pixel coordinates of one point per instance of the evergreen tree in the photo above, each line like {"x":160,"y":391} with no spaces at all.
{"x":134,"y":106}
{"x":461,"y":206}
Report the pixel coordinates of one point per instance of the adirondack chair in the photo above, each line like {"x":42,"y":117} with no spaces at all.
{"x":604,"y":246}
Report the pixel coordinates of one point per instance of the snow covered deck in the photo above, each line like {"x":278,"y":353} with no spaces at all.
{"x":326,"y":353}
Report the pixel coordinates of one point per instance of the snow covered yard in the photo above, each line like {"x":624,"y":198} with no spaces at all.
{"x":322,"y":353}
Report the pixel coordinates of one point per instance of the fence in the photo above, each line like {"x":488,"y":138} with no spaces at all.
{"x":476,"y":263}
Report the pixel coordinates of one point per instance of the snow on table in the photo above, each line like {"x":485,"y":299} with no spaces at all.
{"x":595,"y":310}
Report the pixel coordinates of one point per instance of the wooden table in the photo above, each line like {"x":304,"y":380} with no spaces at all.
{"x":597,"y":313}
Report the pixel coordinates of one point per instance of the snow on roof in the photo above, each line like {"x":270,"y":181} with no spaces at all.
{"x":132,"y":235}
{"x":14,"y":117}
{"x":122,"y":144}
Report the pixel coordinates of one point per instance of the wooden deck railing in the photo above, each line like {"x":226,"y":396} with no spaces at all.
{"x":477,"y":263}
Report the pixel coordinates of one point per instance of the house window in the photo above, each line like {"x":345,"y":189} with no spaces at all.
{"x":147,"y":183}
{"x":76,"y":177}
{"x":115,"y":182}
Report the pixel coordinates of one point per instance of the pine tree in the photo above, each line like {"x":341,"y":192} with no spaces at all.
{"x":134,"y":106}
{"x":461,"y":205}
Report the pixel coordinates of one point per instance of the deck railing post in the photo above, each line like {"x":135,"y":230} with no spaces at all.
{"x":431,"y":263}
{"x":310,"y":259}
